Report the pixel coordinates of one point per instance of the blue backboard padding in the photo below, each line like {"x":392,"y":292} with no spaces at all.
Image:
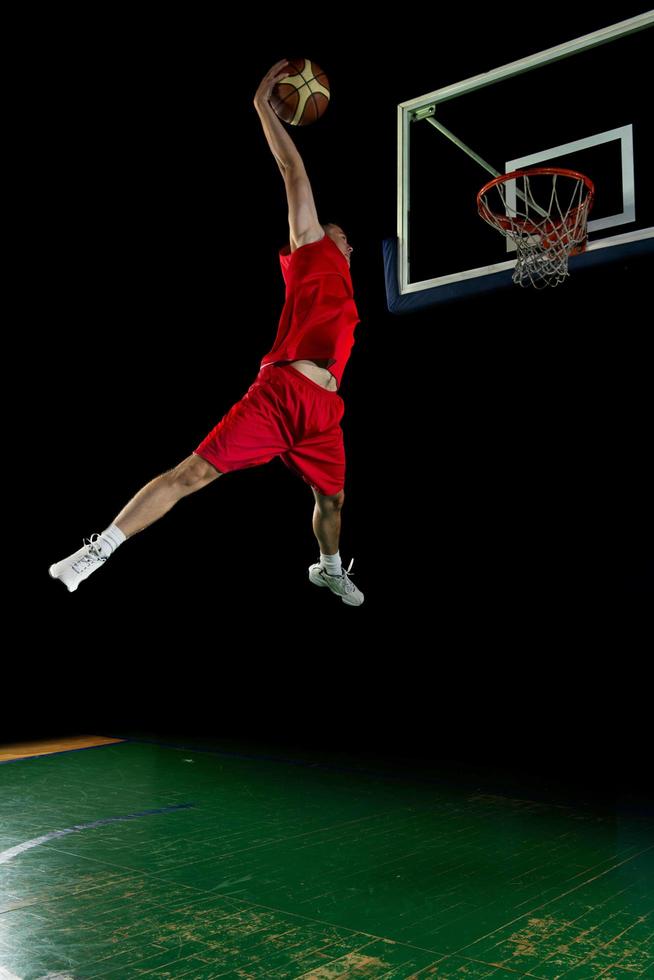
{"x":412,"y":302}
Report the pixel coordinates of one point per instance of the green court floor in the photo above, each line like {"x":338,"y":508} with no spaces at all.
{"x":144,"y":860}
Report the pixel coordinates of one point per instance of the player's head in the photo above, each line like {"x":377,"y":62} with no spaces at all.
{"x":338,"y":236}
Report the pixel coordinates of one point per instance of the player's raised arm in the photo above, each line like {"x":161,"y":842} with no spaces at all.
{"x":282,"y":146}
{"x":302,"y":215}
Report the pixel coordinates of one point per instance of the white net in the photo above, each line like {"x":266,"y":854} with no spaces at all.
{"x":545,"y":214}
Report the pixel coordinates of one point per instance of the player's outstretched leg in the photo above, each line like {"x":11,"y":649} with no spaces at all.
{"x":328,"y":571}
{"x":152,"y":501}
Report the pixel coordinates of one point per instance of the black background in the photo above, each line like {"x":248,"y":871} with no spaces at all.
{"x":498,"y":497}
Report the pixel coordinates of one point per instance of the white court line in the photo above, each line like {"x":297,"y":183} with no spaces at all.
{"x":12,"y":852}
{"x":6,"y":974}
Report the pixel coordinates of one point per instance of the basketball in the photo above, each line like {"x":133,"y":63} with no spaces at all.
{"x":302,"y":97}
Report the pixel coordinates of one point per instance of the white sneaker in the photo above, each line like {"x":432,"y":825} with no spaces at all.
{"x":74,"y":569}
{"x":340,"y":584}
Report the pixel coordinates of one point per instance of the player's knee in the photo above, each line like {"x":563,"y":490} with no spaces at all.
{"x":333,"y":502}
{"x":194,"y":472}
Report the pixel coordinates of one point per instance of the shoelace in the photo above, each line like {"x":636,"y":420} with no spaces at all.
{"x":349,"y":586}
{"x":94,"y":553}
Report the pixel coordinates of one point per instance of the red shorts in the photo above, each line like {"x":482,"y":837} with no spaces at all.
{"x":286,"y":414}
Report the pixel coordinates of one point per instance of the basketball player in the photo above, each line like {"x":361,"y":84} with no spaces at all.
{"x":292,"y":409}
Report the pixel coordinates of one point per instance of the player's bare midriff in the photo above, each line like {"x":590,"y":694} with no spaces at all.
{"x":317,"y":371}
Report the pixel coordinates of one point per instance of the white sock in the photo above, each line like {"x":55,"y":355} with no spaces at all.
{"x":110,"y":539}
{"x":331,"y":563}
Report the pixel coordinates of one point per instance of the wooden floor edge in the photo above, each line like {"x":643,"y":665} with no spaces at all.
{"x":48,"y":746}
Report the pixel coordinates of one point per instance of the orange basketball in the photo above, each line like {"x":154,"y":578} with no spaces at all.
{"x":303,"y":96}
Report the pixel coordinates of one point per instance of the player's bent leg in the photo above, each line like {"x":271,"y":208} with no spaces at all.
{"x":328,"y":572}
{"x":327,"y":503}
{"x":327,"y":520}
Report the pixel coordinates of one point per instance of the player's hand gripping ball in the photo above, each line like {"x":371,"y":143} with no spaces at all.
{"x":301,"y":97}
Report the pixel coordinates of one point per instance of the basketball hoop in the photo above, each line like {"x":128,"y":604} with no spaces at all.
{"x":544,"y":212}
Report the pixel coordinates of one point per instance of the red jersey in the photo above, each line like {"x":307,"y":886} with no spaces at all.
{"x":319,"y":314}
